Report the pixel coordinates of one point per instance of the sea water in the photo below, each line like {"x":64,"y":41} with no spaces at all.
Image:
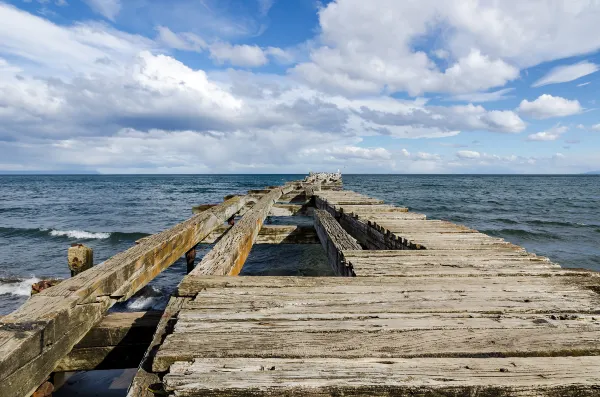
{"x":40,"y":216}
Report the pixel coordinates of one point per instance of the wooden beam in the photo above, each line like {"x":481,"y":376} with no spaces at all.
{"x":34,"y":338}
{"x":230,"y":253}
{"x":513,"y":376}
{"x":334,"y":240}
{"x":272,"y":234}
{"x":366,"y":233}
{"x":118,"y":341}
{"x":145,"y":379}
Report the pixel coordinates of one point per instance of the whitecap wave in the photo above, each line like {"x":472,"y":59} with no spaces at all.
{"x":79,"y":234}
{"x":18,"y":287}
{"x":148,"y":298}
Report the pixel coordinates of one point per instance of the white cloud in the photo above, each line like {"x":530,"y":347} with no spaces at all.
{"x":91,"y":96}
{"x":546,"y":106}
{"x":483,"y":96}
{"x":468,"y":154}
{"x":362,"y":50}
{"x":563,"y":74}
{"x":107,"y":8}
{"x":47,"y":49}
{"x":551,"y":135}
{"x":596,"y":127}
{"x":182,"y":41}
{"x":238,"y":55}
{"x":583,"y":84}
{"x":350,"y":153}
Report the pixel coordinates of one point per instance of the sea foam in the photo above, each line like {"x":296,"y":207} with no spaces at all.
{"x":17,"y":287}
{"x":79,"y":234}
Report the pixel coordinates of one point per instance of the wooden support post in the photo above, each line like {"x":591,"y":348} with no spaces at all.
{"x":81,"y":258}
{"x":334,"y":240}
{"x":190,"y":258}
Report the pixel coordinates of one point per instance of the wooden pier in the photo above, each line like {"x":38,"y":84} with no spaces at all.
{"x":418,"y":308}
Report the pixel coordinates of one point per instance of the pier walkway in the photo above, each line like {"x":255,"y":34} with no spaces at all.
{"x":418,"y":308}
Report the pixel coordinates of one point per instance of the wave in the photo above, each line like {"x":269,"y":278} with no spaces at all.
{"x":521,"y":233}
{"x":17,"y":286}
{"x":80,"y":234}
{"x":70,"y":234}
{"x":148,"y":298}
{"x":507,"y":221}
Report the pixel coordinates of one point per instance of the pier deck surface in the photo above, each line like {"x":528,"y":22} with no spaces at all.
{"x":434,"y":309}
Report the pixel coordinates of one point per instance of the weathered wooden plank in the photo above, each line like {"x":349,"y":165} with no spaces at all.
{"x":374,"y":209}
{"x":130,"y":328}
{"x":230,"y":253}
{"x":202,"y":282}
{"x":273,"y":234}
{"x":445,"y":254}
{"x":334,"y":240}
{"x":42,"y":331}
{"x":280,"y":209}
{"x":519,"y":342}
{"x":29,"y":360}
{"x":515,"y":376}
{"x":207,"y":321}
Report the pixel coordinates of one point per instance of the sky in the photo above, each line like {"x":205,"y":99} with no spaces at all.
{"x":291,"y":86}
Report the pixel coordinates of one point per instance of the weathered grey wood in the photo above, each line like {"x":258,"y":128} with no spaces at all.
{"x":42,"y":331}
{"x":334,"y":240}
{"x":481,"y":343}
{"x":273,"y":234}
{"x":230,"y":253}
{"x":144,"y":376}
{"x":286,"y":209}
{"x":210,"y":321}
{"x":368,"y":235}
{"x":560,"y":376}
{"x":118,"y":341}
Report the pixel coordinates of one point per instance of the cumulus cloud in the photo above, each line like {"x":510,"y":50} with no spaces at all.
{"x":365,"y":51}
{"x":107,"y":8}
{"x":596,"y":127}
{"x":547,"y":106}
{"x":551,"y":135}
{"x":563,"y":74}
{"x":87,"y":95}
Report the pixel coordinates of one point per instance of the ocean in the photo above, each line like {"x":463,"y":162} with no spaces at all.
{"x":40,"y":216}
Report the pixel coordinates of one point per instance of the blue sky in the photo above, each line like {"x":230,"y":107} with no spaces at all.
{"x":260,"y":86}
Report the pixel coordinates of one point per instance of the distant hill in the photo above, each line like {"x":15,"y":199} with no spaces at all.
{"x":592,"y":173}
